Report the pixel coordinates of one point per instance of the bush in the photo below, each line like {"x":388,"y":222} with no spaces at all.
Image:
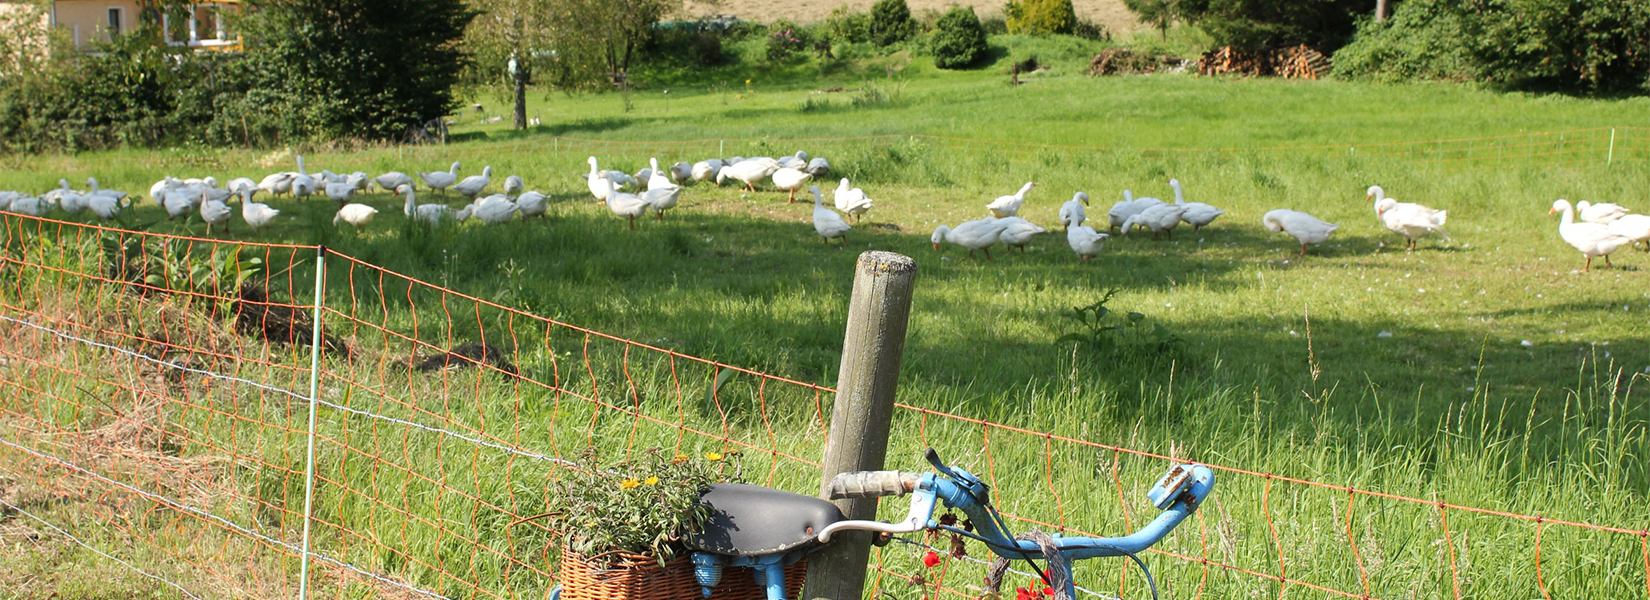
{"x":847,"y":26}
{"x":1255,"y":26}
{"x":1040,"y":17}
{"x":994,"y":25}
{"x":891,"y":22}
{"x":959,"y":39}
{"x":1572,"y":45}
{"x":1090,"y":30}
{"x":785,"y":39}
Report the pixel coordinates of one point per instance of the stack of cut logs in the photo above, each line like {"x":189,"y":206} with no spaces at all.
{"x":1298,"y":62}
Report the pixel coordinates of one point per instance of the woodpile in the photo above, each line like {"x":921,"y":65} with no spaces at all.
{"x":1122,"y":61}
{"x":1297,"y":62}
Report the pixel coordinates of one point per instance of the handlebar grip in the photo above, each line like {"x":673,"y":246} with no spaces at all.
{"x":873,"y":484}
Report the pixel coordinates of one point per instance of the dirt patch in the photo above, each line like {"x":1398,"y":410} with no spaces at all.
{"x":1110,"y":13}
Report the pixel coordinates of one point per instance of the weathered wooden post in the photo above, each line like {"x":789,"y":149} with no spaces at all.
{"x":866,"y":382}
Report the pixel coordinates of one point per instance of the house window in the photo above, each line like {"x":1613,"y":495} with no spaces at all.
{"x":114,"y":22}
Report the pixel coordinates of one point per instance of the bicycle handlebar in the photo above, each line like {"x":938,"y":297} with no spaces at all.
{"x":873,"y":484}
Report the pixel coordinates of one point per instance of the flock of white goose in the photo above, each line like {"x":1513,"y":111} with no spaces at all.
{"x":1594,"y":229}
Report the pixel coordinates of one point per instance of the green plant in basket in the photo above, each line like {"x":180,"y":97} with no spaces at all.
{"x":647,"y":505}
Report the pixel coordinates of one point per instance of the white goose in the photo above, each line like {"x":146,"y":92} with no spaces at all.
{"x":1018,"y":232}
{"x":818,"y":167}
{"x":826,"y":222}
{"x":799,"y":161}
{"x":1085,"y":241}
{"x":851,"y":201}
{"x":513,"y":185}
{"x":494,"y":209}
{"x":1592,"y":239}
{"x":428,"y":213}
{"x":355,"y":214}
{"x":1412,"y":221}
{"x":473,"y":185}
{"x":439,"y":180}
{"x":748,"y":172}
{"x":1603,"y":212}
{"x":302,"y":184}
{"x":790,"y":180}
{"x":1008,"y":206}
{"x":1072,"y":212}
{"x":979,"y":235}
{"x":622,"y":204}
{"x":238,"y":184}
{"x":1128,"y":207}
{"x":1197,"y":214}
{"x":1161,"y":218}
{"x":256,"y":215}
{"x":341,"y":192}
{"x":274,"y":183}
{"x":661,"y":191}
{"x":159,"y":188}
{"x":180,"y":202}
{"x":70,"y":201}
{"x":28,"y":205}
{"x":215,"y":212}
{"x":391,"y":180}
{"x":705,"y":170}
{"x":593,"y":180}
{"x":91,"y":182}
{"x":6,"y":199}
{"x":532,"y":204}
{"x":1305,"y":228}
{"x":681,"y":173}
{"x":1633,"y":227}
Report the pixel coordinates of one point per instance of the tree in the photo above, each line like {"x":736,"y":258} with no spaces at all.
{"x":1159,"y":13}
{"x":1266,"y":24}
{"x":959,"y":38}
{"x":1040,"y":17}
{"x":576,"y":44}
{"x":891,"y":22}
{"x":358,"y":68}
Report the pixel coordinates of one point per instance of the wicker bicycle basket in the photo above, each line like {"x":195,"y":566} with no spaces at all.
{"x":636,"y":577}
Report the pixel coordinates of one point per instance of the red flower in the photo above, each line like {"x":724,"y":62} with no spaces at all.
{"x":930,"y":559}
{"x":1021,"y":593}
{"x":1048,"y":591}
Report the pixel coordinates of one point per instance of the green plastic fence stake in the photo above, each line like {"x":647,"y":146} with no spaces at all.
{"x":314,"y":395}
{"x":1611,"y":157}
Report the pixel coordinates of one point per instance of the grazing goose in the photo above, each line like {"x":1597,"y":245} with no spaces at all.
{"x":391,"y":180}
{"x":1196,"y":214}
{"x":1633,"y":227}
{"x":473,"y":185}
{"x":621,"y":180}
{"x":681,"y":173}
{"x":6,"y":198}
{"x":798,"y":162}
{"x":215,"y":212}
{"x":513,"y":185}
{"x":1018,"y":232}
{"x":533,"y":204}
{"x":1412,"y":221}
{"x":1008,"y":206}
{"x":1128,"y":207}
{"x":359,"y":180}
{"x":645,"y":173}
{"x":180,"y":203}
{"x":1592,"y":239}
{"x":1305,"y":228}
{"x":70,"y":201}
{"x":340,"y":192}
{"x":748,"y":172}
{"x":1604,"y":212}
{"x":160,"y":187}
{"x":818,"y":167}
{"x":428,"y":213}
{"x":1085,"y":241}
{"x":1072,"y":212}
{"x":274,"y":183}
{"x":790,"y":180}
{"x":28,"y":205}
{"x":494,"y":209}
{"x":622,"y":204}
{"x":851,"y":201}
{"x":256,"y":215}
{"x":439,"y":180}
{"x":1161,"y":218}
{"x":661,"y":191}
{"x":974,"y":235}
{"x":826,"y":222}
{"x":105,"y":206}
{"x":706,"y":170}
{"x":355,"y":214}
{"x":238,"y":184}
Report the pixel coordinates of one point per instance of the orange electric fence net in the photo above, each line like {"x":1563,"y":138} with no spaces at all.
{"x":156,"y":414}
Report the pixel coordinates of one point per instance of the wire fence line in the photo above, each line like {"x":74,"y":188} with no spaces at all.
{"x":151,"y":381}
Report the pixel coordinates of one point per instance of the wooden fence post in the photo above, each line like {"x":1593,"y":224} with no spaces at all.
{"x":864,"y":407}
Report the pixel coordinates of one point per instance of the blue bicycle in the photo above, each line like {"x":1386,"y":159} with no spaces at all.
{"x":767,"y":529}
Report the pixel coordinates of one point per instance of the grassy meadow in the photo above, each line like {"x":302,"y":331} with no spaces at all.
{"x":1482,"y":370}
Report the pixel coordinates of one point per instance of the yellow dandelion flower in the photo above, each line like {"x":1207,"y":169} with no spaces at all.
{"x":680,"y":458}
{"x":651,"y":481}
{"x":713,"y":456}
{"x":629,"y":484}
{"x":747,"y":82}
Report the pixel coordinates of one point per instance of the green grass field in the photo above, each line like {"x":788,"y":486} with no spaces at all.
{"x":1483,"y":370}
